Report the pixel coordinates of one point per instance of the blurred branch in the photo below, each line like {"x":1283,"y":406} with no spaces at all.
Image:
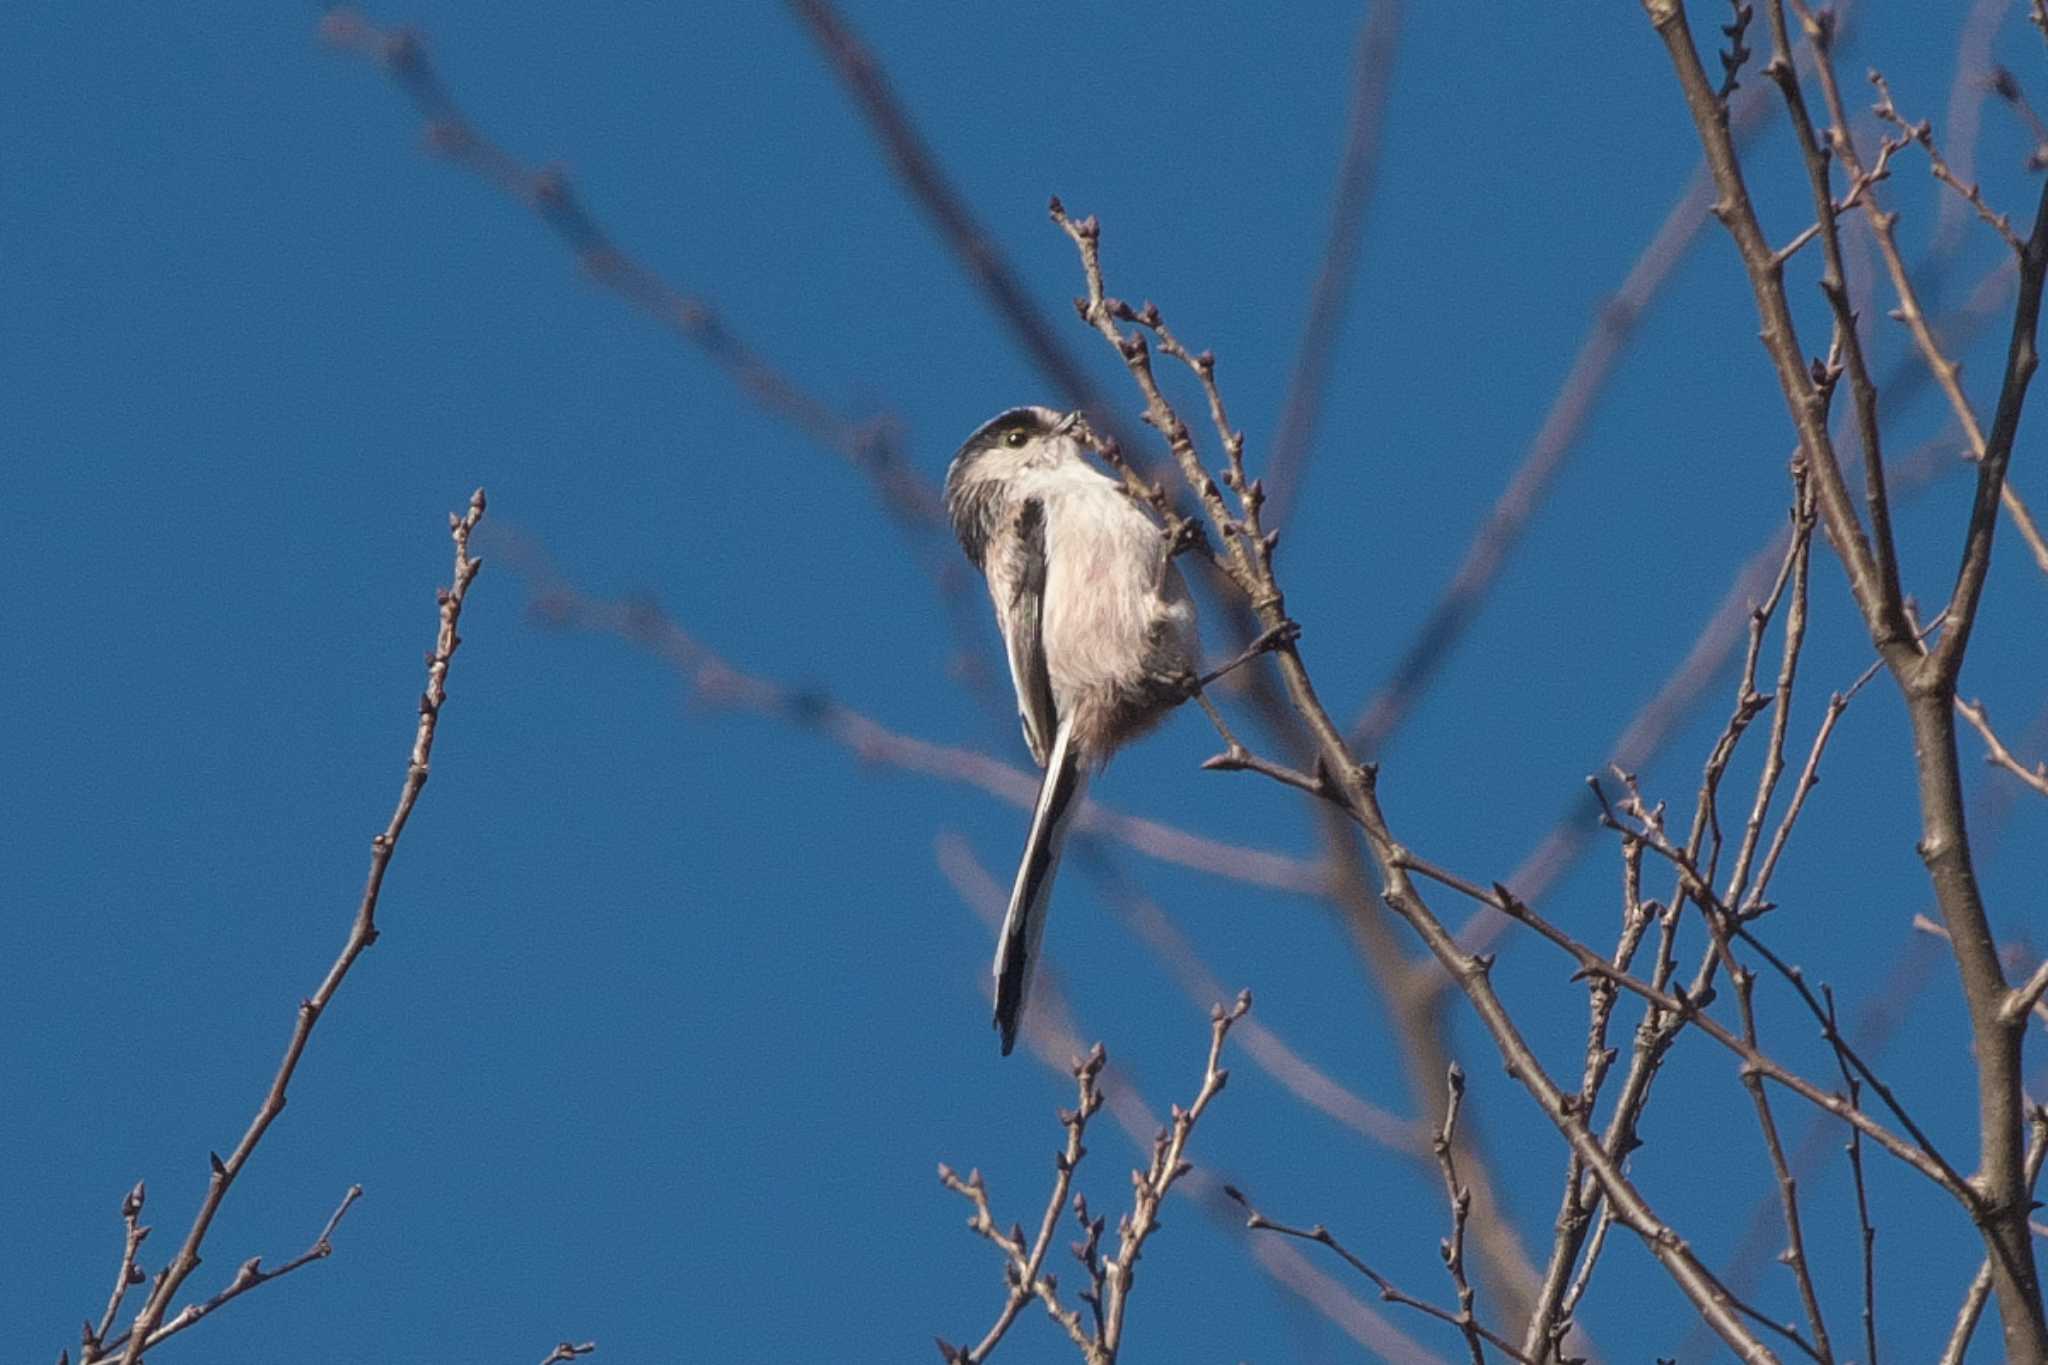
{"x":1288,"y":1068}
{"x":1372,"y":80}
{"x":717,"y":682}
{"x":918,"y":168}
{"x":1973,"y":82}
{"x":873,"y":447}
{"x":2023,"y":1002}
{"x":149,"y":1327}
{"x":1486,"y":554}
{"x":1599,"y":356}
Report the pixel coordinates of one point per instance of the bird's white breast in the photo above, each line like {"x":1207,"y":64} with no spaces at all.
{"x":1103,"y":604}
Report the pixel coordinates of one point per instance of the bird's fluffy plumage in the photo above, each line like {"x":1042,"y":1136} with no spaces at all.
{"x":1098,"y":624}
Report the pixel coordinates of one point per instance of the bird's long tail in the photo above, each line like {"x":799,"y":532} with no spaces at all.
{"x":1059,"y":797}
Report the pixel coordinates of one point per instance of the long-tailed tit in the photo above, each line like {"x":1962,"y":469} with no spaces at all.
{"x":1099,"y":627}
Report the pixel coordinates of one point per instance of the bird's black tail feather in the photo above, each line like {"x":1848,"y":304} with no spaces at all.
{"x":1059,"y":797}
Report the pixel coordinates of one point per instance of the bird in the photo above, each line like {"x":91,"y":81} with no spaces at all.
{"x":1097,"y":623}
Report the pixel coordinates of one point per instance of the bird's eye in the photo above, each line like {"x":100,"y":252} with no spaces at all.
{"x":1014,"y":438}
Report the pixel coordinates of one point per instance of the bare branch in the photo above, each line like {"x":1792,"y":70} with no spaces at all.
{"x":249,"y":1275}
{"x":1598,"y":357}
{"x":126,"y":1277}
{"x":918,"y":168}
{"x":1110,"y":1278}
{"x":143,"y":1333}
{"x":1025,"y":1262}
{"x":1923,"y":134}
{"x":1926,"y":680}
{"x":1868,"y":1233}
{"x":873,"y":447}
{"x":1997,"y":754}
{"x":1169,"y":1164}
{"x":1372,"y":78}
{"x":1389,"y":1291}
{"x":1248,"y":559}
{"x":718,"y":682}
{"x":1054,"y":1037}
{"x":1947,"y":373}
{"x":1919,"y":1154}
{"x":1460,"y":1199}
{"x":1979,"y":1292}
{"x":1794,"y":1255}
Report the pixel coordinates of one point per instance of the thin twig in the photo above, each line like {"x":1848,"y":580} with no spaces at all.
{"x":362,"y":933}
{"x":1947,"y":374}
{"x":1919,"y":1153}
{"x":1997,"y":755}
{"x":1460,"y":1200}
{"x":1169,"y":1163}
{"x":249,"y":1275}
{"x":1923,"y":134}
{"x":127,"y":1276}
{"x":1389,"y":1291}
{"x":1025,"y":1262}
{"x":1885,"y":1012}
{"x":1794,"y":1255}
{"x":1659,"y":1030}
{"x":1099,"y":1337}
{"x":1781,"y":698}
{"x":1866,"y":1230}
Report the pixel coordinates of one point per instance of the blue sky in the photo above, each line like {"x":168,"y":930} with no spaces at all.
{"x":675,"y":1011}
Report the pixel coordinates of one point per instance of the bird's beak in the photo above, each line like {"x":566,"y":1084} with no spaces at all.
{"x":1066,"y":424}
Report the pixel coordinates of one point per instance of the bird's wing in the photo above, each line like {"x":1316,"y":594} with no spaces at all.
{"x":1017,"y":582}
